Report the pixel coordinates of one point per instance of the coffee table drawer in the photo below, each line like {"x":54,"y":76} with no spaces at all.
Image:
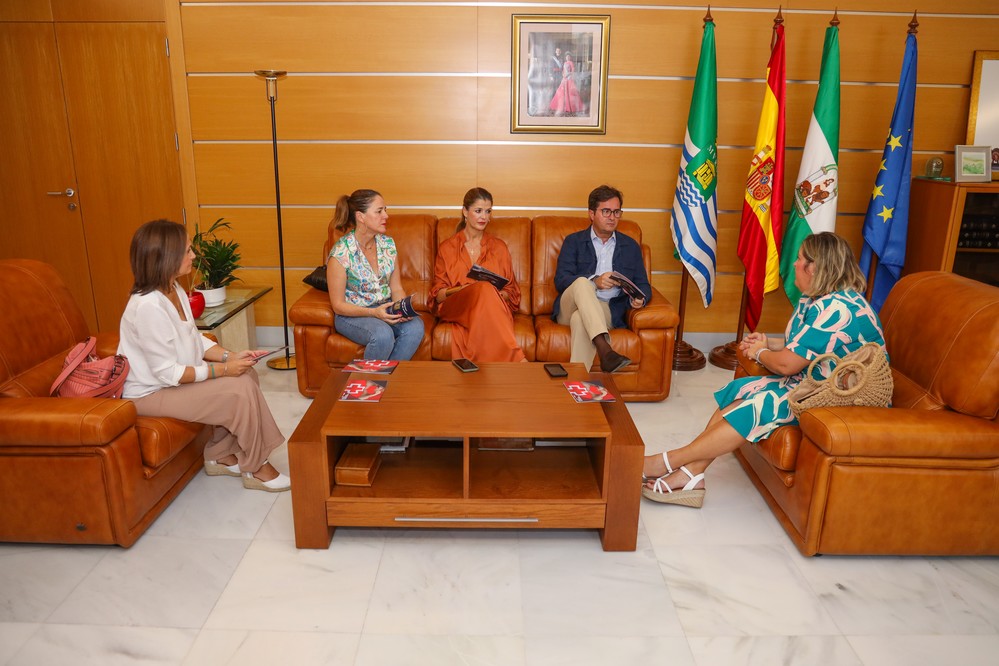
{"x":492,"y":513}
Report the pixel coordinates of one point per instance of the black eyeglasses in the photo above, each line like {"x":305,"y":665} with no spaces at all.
{"x":610,"y":212}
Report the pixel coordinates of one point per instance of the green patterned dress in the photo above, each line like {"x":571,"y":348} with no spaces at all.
{"x":837,"y":323}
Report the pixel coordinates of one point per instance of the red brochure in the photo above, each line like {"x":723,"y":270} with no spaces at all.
{"x":588,"y":392}
{"x":372,"y":366}
{"x":363,"y":390}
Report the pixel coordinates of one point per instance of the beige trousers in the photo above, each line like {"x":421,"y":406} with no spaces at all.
{"x":586,"y":316}
{"x":244,"y":426}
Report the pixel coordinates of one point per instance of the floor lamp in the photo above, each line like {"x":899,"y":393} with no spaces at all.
{"x":271,"y":76}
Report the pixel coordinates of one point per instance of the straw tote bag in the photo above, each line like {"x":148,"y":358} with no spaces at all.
{"x":861,"y":378}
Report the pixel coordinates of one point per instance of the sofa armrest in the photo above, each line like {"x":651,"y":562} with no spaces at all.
{"x":658,"y":313}
{"x":747,"y":367}
{"x":900,"y":433}
{"x":63,"y":421}
{"x":313,"y":308}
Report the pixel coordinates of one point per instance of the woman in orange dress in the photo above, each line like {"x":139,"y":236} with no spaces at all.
{"x":481,"y":315}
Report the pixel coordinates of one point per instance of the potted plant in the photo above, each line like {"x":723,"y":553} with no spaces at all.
{"x":215,"y":260}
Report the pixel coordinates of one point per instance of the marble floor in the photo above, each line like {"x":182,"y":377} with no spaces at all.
{"x":217,"y":580}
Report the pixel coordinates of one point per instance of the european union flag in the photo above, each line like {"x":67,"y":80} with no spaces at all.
{"x":887,"y":219}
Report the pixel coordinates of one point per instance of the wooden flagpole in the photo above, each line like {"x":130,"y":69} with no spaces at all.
{"x":685,"y":357}
{"x":724,"y":356}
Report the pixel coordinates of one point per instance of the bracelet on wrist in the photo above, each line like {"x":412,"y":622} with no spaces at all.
{"x":211,"y":370}
{"x":225,"y":369}
{"x":225,"y":356}
{"x":759,"y":353}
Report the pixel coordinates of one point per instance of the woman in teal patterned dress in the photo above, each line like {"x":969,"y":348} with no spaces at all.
{"x":831,"y":317}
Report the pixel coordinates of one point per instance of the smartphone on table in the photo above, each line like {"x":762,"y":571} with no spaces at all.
{"x":464,"y":365}
{"x":555,"y":370}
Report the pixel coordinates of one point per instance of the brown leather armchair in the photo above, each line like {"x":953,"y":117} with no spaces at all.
{"x":75,"y":470}
{"x":920,"y":478}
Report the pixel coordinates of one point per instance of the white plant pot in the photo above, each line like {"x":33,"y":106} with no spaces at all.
{"x":213,"y":297}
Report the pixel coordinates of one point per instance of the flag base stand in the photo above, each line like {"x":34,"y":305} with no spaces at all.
{"x":686,"y":358}
{"x":724,"y":356}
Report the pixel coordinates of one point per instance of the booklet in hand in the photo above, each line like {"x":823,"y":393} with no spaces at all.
{"x":403,"y":307}
{"x":627,"y":286}
{"x":363,"y":390}
{"x":477,"y":272}
{"x":588,"y":392}
{"x":371,"y":366}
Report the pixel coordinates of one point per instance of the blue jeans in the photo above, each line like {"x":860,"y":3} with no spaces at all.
{"x":382,"y":341}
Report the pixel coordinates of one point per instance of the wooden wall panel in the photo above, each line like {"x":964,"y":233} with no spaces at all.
{"x":26,"y":10}
{"x":108,"y":10}
{"x":256,"y":231}
{"x":323,"y":38}
{"x":319,"y":173}
{"x":414,"y":100}
{"x":320,"y":108}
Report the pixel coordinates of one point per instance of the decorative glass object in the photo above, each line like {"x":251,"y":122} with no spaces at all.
{"x":934,"y":167}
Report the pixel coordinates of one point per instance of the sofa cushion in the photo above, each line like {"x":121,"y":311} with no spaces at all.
{"x":931,"y":353}
{"x":41,"y":321}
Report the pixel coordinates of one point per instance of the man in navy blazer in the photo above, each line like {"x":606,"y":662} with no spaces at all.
{"x":590,"y":300}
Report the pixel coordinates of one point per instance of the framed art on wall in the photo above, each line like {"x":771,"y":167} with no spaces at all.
{"x":983,"y":112}
{"x":559,"y":74}
{"x":972,"y":164}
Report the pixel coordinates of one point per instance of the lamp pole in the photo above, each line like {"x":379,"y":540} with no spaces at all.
{"x":271,"y":77}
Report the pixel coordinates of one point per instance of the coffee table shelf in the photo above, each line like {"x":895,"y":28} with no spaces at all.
{"x":593,"y":484}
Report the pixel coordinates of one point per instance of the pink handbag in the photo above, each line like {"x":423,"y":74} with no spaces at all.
{"x":85,"y":375}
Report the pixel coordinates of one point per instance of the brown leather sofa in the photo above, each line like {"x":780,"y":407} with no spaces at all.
{"x":920,"y":478}
{"x":534,"y":246}
{"x":75,"y":470}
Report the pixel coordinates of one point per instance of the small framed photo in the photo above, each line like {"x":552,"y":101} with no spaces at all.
{"x":972,"y":164}
{"x":559,"y":74}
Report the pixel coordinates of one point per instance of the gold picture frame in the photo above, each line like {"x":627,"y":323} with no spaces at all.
{"x":983,"y":112}
{"x":559,"y":74}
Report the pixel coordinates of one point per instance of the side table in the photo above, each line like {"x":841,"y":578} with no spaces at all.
{"x":233,"y":323}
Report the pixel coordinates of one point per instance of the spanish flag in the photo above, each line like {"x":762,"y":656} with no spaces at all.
{"x":763,"y":209}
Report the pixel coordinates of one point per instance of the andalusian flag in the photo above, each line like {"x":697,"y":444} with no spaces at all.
{"x":763,"y":210}
{"x":814,"y":208}
{"x":887,"y":220}
{"x":695,"y":205}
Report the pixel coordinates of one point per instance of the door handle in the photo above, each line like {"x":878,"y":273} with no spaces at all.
{"x":68,"y":193}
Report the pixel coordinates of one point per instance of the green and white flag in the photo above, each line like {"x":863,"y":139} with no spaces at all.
{"x":694,"y":221}
{"x":817,"y":187}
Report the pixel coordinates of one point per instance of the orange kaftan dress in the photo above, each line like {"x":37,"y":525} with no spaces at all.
{"x":482,"y":321}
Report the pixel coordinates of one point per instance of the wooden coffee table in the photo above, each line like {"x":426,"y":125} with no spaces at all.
{"x":595,"y":484}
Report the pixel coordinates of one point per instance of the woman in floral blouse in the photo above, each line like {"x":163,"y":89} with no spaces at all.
{"x":363,"y":281}
{"x":832,"y":317}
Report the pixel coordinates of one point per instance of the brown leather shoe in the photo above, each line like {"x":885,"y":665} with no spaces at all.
{"x":612,"y":361}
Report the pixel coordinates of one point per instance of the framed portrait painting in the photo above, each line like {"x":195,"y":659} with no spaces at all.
{"x":559,"y":74}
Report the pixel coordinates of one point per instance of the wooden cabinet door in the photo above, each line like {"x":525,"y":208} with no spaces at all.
{"x":91,"y":112}
{"x":117,"y":82}
{"x":37,"y":159}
